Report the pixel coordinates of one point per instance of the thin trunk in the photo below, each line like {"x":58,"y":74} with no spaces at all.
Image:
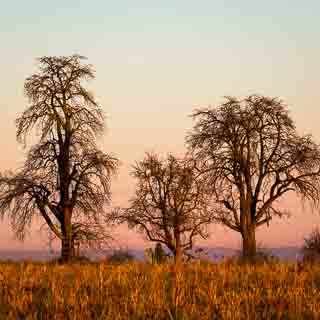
{"x":78,"y":249}
{"x":178,"y":251}
{"x":66,"y":241}
{"x":66,"y":249}
{"x":73,"y":248}
{"x":249,"y":250}
{"x":178,"y":256}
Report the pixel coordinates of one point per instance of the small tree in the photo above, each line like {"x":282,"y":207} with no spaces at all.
{"x":157,"y":255}
{"x":65,"y":178}
{"x":251,"y":155}
{"x":170,"y":205}
{"x":311,"y":248}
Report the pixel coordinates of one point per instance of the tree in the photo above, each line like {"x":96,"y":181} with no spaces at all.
{"x":156,"y":255}
{"x":251,"y":154}
{"x":170,"y":205}
{"x":311,"y":247}
{"x":65,"y":177}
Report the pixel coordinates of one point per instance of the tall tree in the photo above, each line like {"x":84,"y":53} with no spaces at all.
{"x":65,"y":177}
{"x":170,"y":205}
{"x":251,"y":154}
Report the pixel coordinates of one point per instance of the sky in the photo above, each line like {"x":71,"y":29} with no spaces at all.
{"x":155,"y":62}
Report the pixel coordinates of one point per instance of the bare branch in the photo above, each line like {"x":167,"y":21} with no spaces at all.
{"x":65,"y":178}
{"x":250,"y":153}
{"x":170,"y":205}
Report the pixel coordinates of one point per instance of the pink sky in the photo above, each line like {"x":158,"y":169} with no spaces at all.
{"x":129,"y":136}
{"x":154,"y":64}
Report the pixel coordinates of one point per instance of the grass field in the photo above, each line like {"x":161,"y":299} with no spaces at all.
{"x":143,"y":291}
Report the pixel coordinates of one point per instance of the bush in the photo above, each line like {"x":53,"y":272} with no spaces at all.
{"x":156,"y":255}
{"x":263,"y":256}
{"x":311,"y":248}
{"x":6,"y":261}
{"x":77,"y":259}
{"x":120,"y":256}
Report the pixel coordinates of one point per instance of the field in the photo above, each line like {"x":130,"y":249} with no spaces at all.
{"x":143,"y":291}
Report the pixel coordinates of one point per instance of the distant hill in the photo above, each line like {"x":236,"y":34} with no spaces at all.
{"x":214,"y":254}
{"x":16,"y":255}
{"x":283,"y":253}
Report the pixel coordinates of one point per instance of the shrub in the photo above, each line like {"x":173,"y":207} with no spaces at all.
{"x":120,"y":256}
{"x":76,"y":259}
{"x":311,"y":247}
{"x":156,"y":255}
{"x":263,"y":256}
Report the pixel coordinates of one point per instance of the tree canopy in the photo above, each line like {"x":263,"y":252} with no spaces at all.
{"x":170,"y":205}
{"x":65,"y":177}
{"x":249,"y":151}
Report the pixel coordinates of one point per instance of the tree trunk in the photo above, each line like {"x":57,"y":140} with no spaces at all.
{"x":249,"y":249}
{"x":66,"y":249}
{"x":66,"y":241}
{"x":178,"y":251}
{"x":73,"y":248}
{"x":77,"y":250}
{"x":178,"y":256}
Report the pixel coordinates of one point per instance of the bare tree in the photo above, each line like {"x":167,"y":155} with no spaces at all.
{"x":65,"y":177}
{"x":251,"y":154}
{"x":170,"y":205}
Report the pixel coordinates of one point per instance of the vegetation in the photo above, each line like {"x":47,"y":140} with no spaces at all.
{"x":251,"y":155}
{"x":65,"y":178}
{"x":243,"y":156}
{"x":120,"y":256}
{"x":157,"y":255}
{"x":144,"y":291}
{"x":311,"y":248}
{"x":170,"y":205}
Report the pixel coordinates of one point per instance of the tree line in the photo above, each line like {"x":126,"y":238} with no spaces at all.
{"x":241,"y":157}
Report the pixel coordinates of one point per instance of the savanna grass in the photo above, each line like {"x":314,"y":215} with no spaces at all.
{"x":144,"y":291}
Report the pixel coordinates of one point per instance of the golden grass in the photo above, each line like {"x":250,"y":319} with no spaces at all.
{"x":141,"y":291}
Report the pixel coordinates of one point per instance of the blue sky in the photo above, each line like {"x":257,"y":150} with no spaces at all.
{"x":157,"y":60}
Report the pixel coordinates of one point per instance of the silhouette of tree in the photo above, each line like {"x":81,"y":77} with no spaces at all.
{"x":65,"y":177}
{"x":156,"y":255}
{"x":250,"y":154}
{"x":311,"y":247}
{"x":170,"y":205}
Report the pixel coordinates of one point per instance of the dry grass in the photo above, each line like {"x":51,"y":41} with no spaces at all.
{"x":139,"y":291}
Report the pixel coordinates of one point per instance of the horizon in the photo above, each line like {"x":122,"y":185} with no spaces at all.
{"x":154,"y":65}
{"x":211,"y":253}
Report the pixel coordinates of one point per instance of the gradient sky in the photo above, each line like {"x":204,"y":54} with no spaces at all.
{"x":156,"y":61}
